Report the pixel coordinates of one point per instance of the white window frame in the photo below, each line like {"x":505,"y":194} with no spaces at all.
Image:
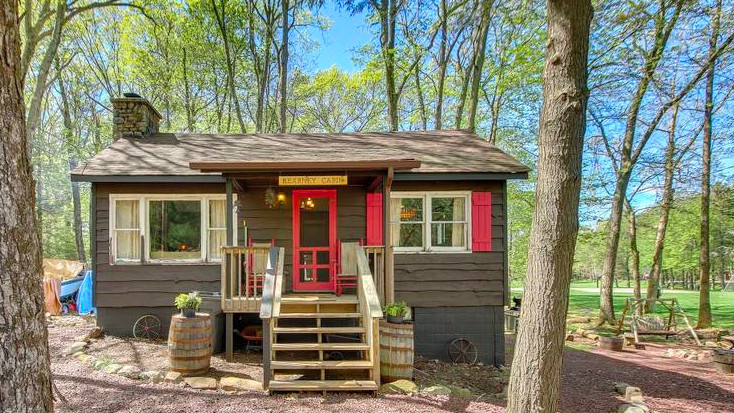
{"x":427,"y":197}
{"x":144,"y":230}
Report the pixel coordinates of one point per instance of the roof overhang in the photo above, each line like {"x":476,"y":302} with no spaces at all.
{"x":149,"y":178}
{"x":272,"y":166}
{"x":459,"y":176}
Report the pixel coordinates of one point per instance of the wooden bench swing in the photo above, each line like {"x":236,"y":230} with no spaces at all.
{"x":648,"y":324}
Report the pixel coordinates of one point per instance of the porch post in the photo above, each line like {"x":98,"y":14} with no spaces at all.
{"x":387,"y":236}
{"x":230,"y":217}
{"x":229,"y":321}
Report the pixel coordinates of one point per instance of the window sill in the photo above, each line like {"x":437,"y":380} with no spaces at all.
{"x":397,"y":251}
{"x":171,"y":263}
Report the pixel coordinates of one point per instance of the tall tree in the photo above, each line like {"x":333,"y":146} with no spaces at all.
{"x":480,"y":47}
{"x":704,"y":299}
{"x":285,"y":9}
{"x":536,"y":369}
{"x":24,"y":357}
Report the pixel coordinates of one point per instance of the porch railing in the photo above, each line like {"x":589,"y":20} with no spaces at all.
{"x":270,"y":308}
{"x":369,"y":304}
{"x":375,"y":255}
{"x":243,"y":276}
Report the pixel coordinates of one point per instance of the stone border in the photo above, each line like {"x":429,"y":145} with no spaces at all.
{"x":108,"y":365}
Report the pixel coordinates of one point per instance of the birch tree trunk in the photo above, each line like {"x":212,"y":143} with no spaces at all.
{"x":24,"y":361}
{"x":536,"y":370}
{"x":704,"y":261}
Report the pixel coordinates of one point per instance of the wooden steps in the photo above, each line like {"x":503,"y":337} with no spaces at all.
{"x":320,"y":315}
{"x":320,"y":346}
{"x":322,"y":385}
{"x":303,"y":345}
{"x":327,"y":364}
{"x":324,"y":330}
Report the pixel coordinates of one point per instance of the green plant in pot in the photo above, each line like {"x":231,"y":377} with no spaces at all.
{"x":396,"y":311}
{"x":188,"y":304}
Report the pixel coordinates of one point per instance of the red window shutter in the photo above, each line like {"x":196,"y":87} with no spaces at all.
{"x":374,"y":218}
{"x":481,"y":219}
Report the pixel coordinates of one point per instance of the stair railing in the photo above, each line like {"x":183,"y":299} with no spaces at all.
{"x":242,"y":277}
{"x":270,"y":306}
{"x":369,"y":304}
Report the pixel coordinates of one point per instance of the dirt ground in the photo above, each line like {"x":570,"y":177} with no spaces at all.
{"x":669,"y":384}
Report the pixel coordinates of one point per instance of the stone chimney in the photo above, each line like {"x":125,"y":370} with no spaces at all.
{"x":133,"y":117}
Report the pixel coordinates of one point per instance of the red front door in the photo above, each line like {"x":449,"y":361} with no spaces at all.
{"x":314,"y":239}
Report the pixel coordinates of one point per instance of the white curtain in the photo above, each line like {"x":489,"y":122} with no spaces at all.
{"x":217,"y":227}
{"x":395,"y":218}
{"x":457,"y":230}
{"x":127,"y":230}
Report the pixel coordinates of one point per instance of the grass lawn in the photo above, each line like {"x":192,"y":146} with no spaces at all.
{"x":583,"y":302}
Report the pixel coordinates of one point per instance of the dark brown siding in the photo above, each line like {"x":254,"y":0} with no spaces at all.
{"x":144,"y":285}
{"x":455,"y":279}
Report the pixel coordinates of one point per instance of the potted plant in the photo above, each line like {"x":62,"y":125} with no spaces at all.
{"x":396,"y":311}
{"x":188,"y":304}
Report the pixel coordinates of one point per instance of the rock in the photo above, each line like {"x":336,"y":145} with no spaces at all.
{"x":569,"y":337}
{"x":202,"y":383}
{"x":173,"y":377}
{"x":400,"y":386}
{"x":633,"y":408}
{"x":237,"y":383}
{"x":437,"y":390}
{"x":100,"y":363}
{"x":95,"y":333}
{"x":85,"y":358}
{"x":76,"y":347}
{"x":460,"y":391}
{"x":78,"y":354}
{"x":706,"y":356}
{"x":131,"y":372}
{"x":630,"y":393}
{"x":112,"y":368}
{"x":83,"y":337}
{"x":153,"y":376}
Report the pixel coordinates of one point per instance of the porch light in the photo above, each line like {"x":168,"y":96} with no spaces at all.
{"x":308,"y":204}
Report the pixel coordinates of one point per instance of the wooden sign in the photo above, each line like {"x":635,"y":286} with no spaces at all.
{"x":312,"y":180}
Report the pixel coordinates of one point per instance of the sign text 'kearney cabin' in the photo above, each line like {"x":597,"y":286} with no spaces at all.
{"x":312,"y":180}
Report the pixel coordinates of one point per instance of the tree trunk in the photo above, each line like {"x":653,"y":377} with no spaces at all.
{"x":187,"y":95}
{"x":704,"y":262}
{"x":222,"y":25}
{"x":69,"y":143}
{"x":442,"y":62}
{"x":480,"y":46}
{"x":634,"y":265}
{"x":24,"y":357}
{"x":284,"y":68}
{"x":421,"y":103}
{"x":535,"y":377}
{"x":388,"y":10}
{"x":653,"y":283}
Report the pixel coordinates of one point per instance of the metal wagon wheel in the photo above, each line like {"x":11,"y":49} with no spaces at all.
{"x":462,"y":350}
{"x":148,"y":327}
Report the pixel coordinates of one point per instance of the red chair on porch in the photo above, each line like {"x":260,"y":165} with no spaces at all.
{"x":253,"y":336}
{"x":257,"y":264}
{"x":345,"y":272}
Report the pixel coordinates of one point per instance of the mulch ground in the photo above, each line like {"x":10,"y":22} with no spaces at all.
{"x":669,"y":384}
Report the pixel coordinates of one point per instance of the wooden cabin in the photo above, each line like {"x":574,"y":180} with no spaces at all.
{"x":309,"y":235}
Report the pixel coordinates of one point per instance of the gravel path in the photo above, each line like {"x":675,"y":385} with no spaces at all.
{"x":669,"y":385}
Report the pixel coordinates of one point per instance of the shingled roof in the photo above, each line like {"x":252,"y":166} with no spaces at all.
{"x":168,"y":154}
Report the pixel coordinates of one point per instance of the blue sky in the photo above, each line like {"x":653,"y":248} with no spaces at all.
{"x":346,"y":33}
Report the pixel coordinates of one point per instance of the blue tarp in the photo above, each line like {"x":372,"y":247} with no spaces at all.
{"x":86,"y":294}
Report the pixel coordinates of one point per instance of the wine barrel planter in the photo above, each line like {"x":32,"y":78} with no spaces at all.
{"x":396,"y":351}
{"x":190,"y":344}
{"x":611,"y":343}
{"x":724,"y":361}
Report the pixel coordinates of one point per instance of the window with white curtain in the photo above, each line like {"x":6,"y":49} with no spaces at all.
{"x":430,"y":221}
{"x":172,"y":228}
{"x":127,"y":230}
